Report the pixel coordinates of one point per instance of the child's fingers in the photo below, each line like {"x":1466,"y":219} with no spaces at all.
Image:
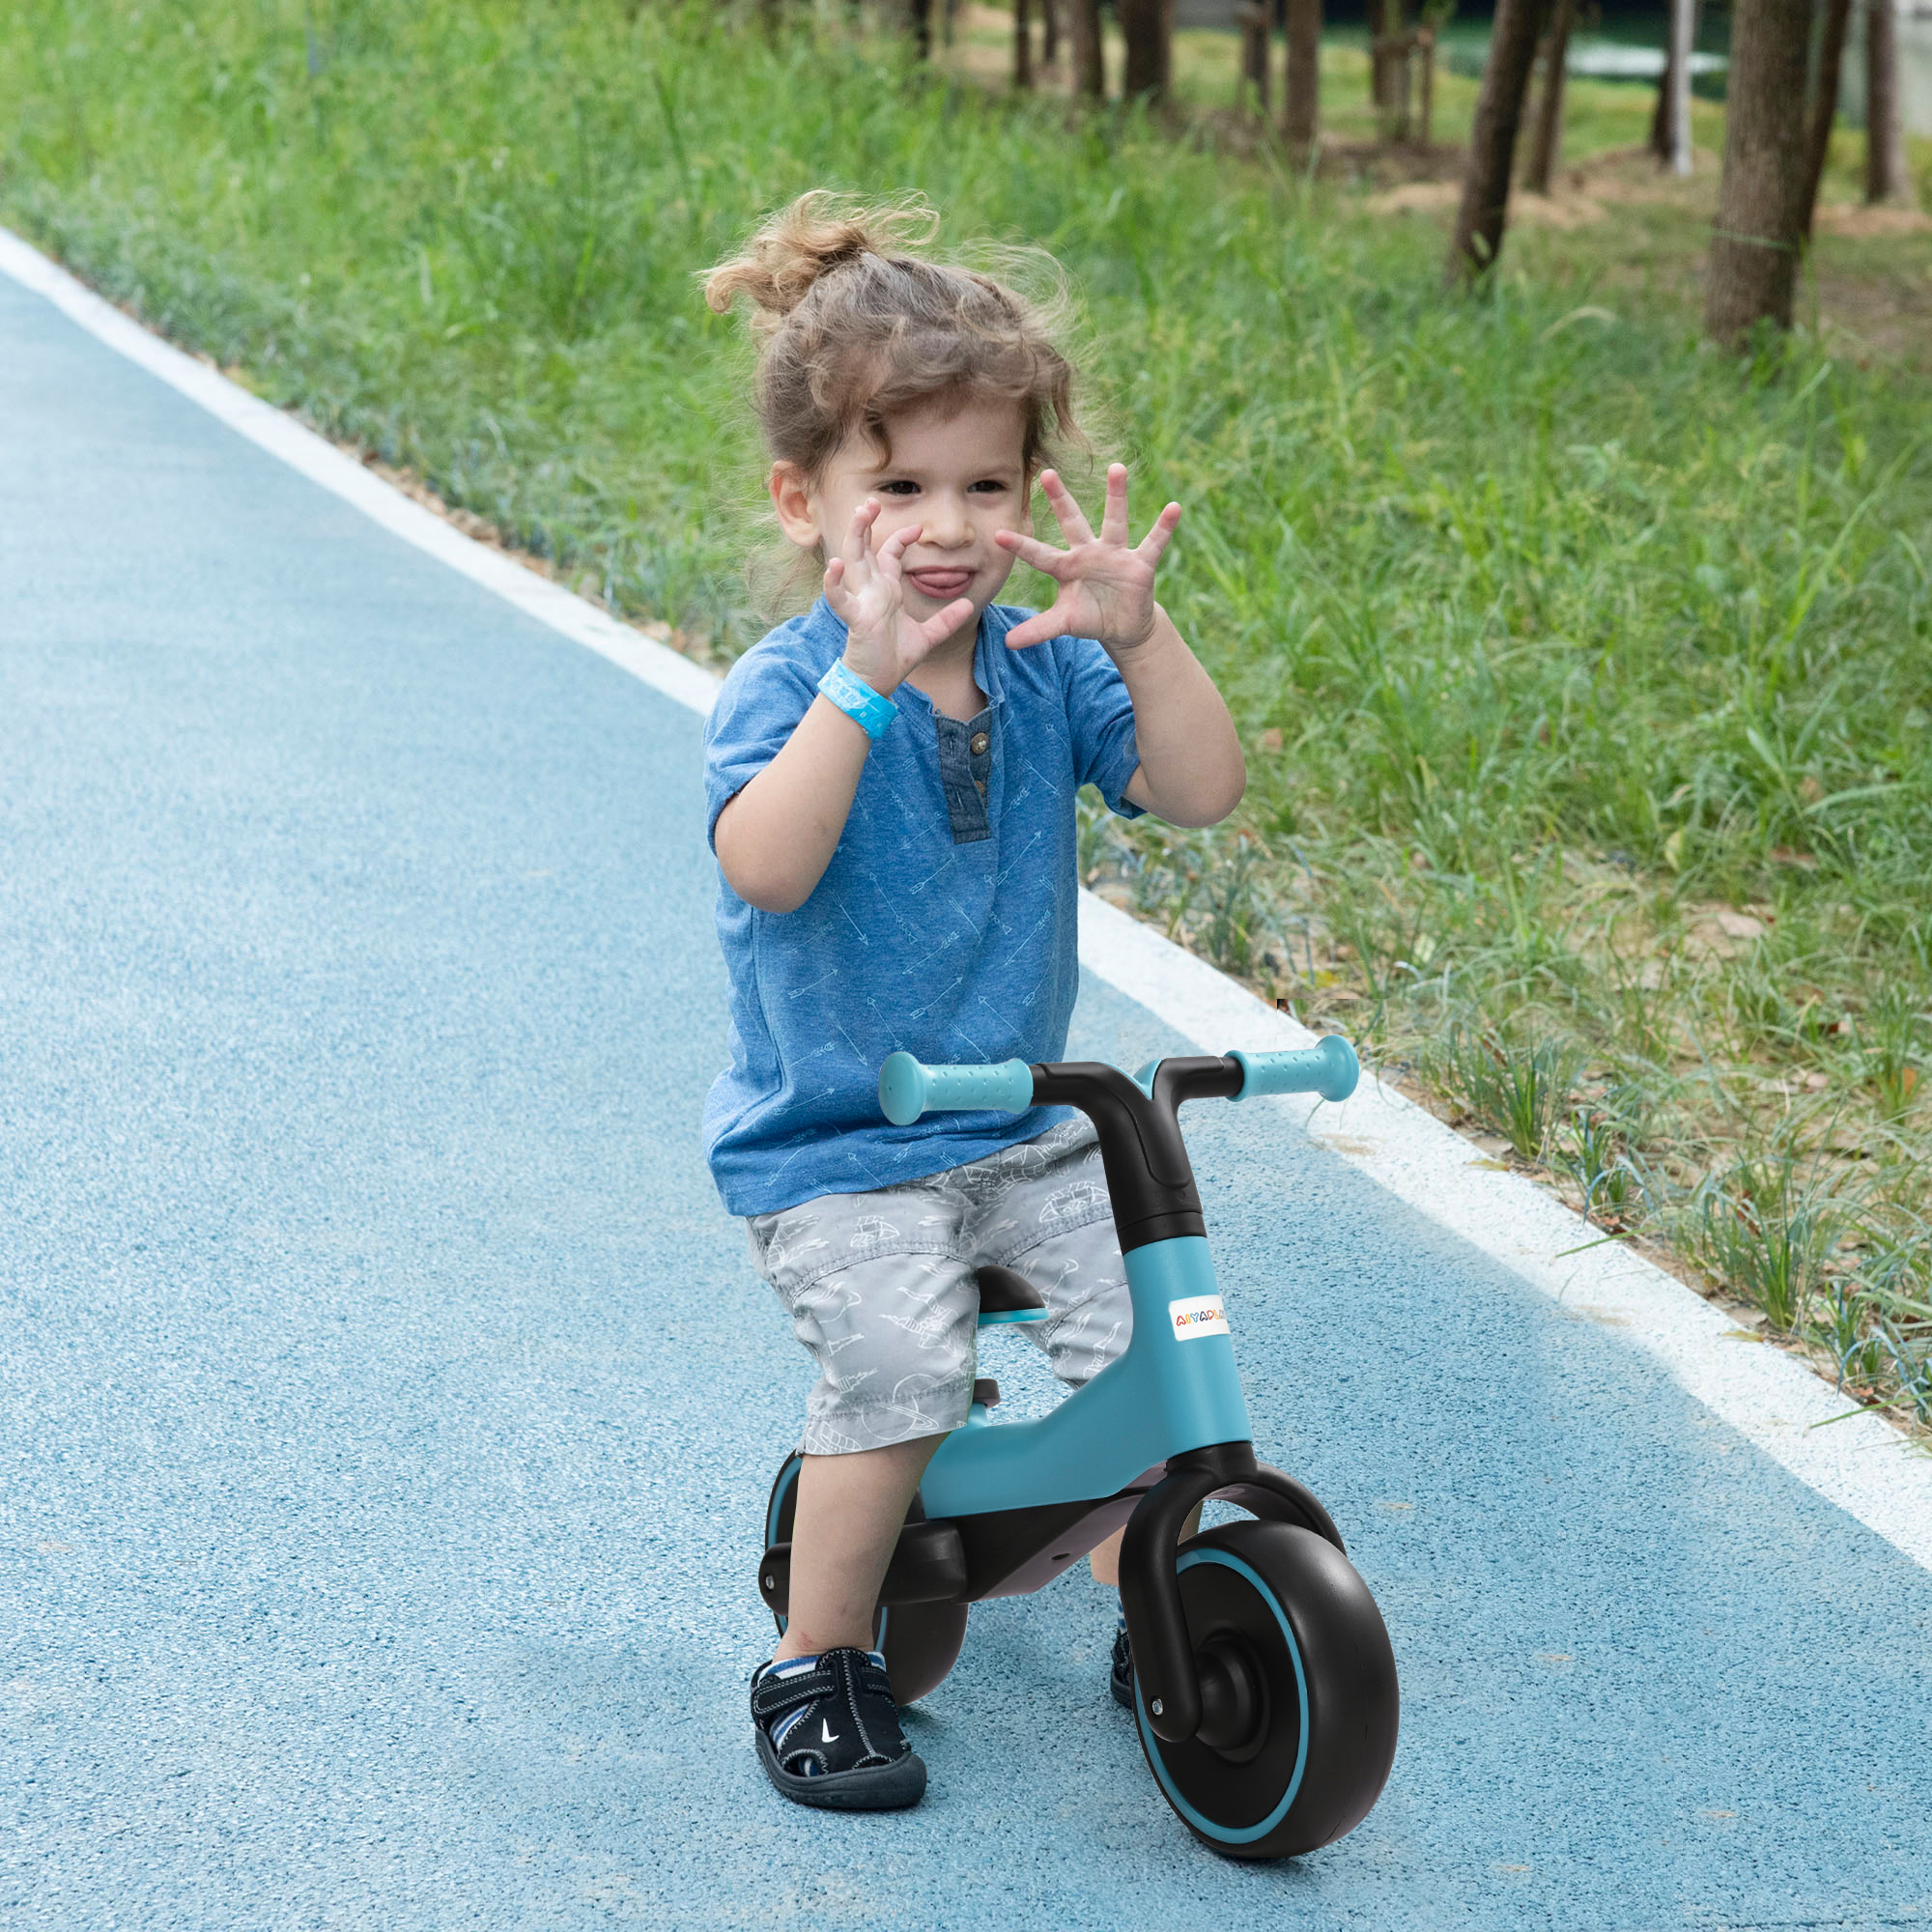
{"x":891,"y":557}
{"x":835,"y":575}
{"x":1042,"y":556}
{"x":936,"y":630}
{"x":1157,"y":539}
{"x":1066,"y":513}
{"x":1114,"y":518}
{"x":1036,"y":630}
{"x":859,"y":537}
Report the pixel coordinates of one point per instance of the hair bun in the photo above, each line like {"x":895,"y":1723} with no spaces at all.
{"x":800,"y":245}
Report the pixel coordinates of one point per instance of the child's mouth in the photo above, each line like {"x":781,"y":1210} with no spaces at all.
{"x":944,"y":584}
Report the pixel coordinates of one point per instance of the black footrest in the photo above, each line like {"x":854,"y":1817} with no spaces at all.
{"x":928,"y":1566}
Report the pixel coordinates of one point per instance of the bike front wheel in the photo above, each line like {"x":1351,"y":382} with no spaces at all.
{"x":1283,"y":1612}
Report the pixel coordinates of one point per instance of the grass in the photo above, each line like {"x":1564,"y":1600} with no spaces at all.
{"x":1586,"y":675}
{"x":1522,"y":1090}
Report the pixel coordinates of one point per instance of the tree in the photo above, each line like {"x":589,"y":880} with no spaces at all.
{"x":1255,"y":26}
{"x":1090,"y":57}
{"x":1301,"y":108}
{"x":1884,"y":117}
{"x":1660,"y":115}
{"x":1022,"y":44}
{"x":1824,"y":102}
{"x":1049,"y":33}
{"x":1485,"y":178}
{"x":1425,"y":45}
{"x":1148,"y":28}
{"x":1760,"y":224}
{"x":1664,"y":118}
{"x":1384,"y":23}
{"x":1546,"y":139}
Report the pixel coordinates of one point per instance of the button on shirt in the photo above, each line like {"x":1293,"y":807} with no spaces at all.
{"x":944,"y":925}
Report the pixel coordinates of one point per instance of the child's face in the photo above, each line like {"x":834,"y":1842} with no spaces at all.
{"x":955,"y":476}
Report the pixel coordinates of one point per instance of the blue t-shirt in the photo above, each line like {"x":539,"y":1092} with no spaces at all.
{"x":944,"y":925}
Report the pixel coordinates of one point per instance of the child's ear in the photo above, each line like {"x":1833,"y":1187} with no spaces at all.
{"x":797,"y":511}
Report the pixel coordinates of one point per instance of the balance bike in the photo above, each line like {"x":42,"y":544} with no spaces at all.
{"x":1265,"y":1687}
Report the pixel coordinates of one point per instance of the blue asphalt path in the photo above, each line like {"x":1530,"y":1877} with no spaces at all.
{"x":387,"y":1406}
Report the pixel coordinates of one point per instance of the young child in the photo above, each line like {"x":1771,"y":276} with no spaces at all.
{"x":890,"y":785}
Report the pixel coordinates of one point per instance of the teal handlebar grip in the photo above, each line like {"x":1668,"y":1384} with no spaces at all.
{"x":907,"y":1090}
{"x":1331,"y":1069}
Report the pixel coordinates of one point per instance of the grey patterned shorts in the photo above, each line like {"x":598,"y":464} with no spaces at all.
{"x":880,"y":1290}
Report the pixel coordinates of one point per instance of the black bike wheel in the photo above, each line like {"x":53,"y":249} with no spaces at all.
{"x":780,"y":1510}
{"x":920,"y":1642}
{"x":1288,"y":1609}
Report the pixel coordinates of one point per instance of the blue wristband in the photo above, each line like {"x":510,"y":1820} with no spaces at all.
{"x":857,"y":699}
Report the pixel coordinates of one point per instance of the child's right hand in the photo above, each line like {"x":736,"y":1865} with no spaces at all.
{"x":866,"y":591}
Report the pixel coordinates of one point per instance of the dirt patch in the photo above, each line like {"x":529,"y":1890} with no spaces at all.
{"x":1435,"y":197}
{"x":1633,"y":178}
{"x":1556,"y":211}
{"x":1854,"y":220}
{"x":1424,"y":197}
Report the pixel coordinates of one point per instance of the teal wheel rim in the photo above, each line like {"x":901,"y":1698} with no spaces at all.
{"x":1232,"y":1834}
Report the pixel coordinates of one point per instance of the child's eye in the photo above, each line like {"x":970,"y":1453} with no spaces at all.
{"x":990,"y":486}
{"x":898,"y":487}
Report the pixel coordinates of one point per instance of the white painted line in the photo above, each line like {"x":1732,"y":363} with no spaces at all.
{"x":1775,"y":1402}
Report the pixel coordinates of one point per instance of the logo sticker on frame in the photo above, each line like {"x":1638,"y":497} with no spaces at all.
{"x":1199,"y":1315}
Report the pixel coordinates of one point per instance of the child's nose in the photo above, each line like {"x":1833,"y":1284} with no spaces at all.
{"x":947,"y":528}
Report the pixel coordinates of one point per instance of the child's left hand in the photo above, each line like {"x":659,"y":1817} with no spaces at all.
{"x":1106,"y":588}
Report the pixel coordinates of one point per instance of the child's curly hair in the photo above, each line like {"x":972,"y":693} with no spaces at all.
{"x":853,"y":329}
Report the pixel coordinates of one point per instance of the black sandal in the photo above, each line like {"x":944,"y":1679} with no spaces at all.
{"x":1121,"y":1681}
{"x":829,"y":1734}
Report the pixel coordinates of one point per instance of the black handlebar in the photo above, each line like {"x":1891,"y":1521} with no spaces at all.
{"x":1148,"y":1176}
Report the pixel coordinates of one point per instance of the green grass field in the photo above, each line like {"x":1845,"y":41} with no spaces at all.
{"x":1586,"y":674}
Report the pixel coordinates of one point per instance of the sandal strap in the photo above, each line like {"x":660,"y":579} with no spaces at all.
{"x":770,"y":1696}
{"x":839,"y":1684}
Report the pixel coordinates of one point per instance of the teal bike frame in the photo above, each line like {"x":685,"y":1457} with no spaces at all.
{"x":1005,"y":1506}
{"x":1175,"y":1388}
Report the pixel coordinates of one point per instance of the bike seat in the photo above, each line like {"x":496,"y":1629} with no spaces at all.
{"x":1007,"y":1297}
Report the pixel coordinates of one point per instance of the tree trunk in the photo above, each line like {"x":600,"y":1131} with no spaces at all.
{"x":1255,"y":55}
{"x":1760,"y":220}
{"x":1146,"y":25}
{"x":1302,"y":88}
{"x":1664,"y":118}
{"x":1425,"y":41}
{"x":1486,"y":179}
{"x":1089,"y":63}
{"x":1825,"y":103}
{"x":919,"y":13}
{"x":1022,"y":44}
{"x":1385,"y":23}
{"x":1049,"y":32}
{"x":1660,"y":115}
{"x":1884,"y":117}
{"x":1546,"y":139}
